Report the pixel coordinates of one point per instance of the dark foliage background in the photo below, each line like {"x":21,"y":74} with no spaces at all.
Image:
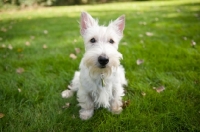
{"x":57,"y":2}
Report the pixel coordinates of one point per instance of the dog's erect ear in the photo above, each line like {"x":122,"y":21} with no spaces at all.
{"x":86,"y":22}
{"x":119,"y":23}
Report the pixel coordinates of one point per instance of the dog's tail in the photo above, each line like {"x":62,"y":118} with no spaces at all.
{"x":73,"y":87}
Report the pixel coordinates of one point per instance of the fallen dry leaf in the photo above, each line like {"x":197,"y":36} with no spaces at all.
{"x":77,"y":50}
{"x":160,"y":89}
{"x":10,"y":27}
{"x":73,"y":56}
{"x":142,"y":23}
{"x":20,"y":70}
{"x":3,"y":46}
{"x":193,"y":43}
{"x":156,"y":19}
{"x":196,"y":15}
{"x":126,"y":103}
{"x":124,"y":43}
{"x":75,"y":40}
{"x":1,"y":115}
{"x":141,"y":41}
{"x":139,"y":62}
{"x":44,"y":46}
{"x":185,"y":38}
{"x":143,"y":94}
{"x":10,"y":47}
{"x":45,"y":32}
{"x":27,"y":43}
{"x":149,"y":34}
{"x":32,"y":37}
{"x":19,"y":90}
{"x":178,"y":10}
{"x":140,"y":35}
{"x":66,"y":105}
{"x":3,"y":29}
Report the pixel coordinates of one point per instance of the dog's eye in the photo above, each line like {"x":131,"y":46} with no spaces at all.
{"x":93,"y":40}
{"x":111,"y":41}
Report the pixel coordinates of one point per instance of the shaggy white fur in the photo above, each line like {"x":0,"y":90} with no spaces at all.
{"x":99,"y":83}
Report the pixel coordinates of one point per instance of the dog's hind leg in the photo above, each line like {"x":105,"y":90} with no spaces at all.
{"x":73,"y":87}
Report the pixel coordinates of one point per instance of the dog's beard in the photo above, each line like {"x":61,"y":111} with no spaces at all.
{"x":90,"y":60}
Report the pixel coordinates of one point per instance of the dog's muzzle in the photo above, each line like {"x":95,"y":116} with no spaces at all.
{"x":103,"y":60}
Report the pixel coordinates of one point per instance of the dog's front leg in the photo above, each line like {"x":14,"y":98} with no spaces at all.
{"x":86,"y":103}
{"x":116,"y":102}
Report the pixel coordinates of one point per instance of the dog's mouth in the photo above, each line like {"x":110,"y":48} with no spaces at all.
{"x":102,"y":66}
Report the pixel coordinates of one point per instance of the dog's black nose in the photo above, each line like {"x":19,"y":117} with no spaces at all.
{"x":103,"y":60}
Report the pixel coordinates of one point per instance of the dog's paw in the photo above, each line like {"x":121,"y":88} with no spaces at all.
{"x":116,"y":110}
{"x":67,"y":93}
{"x":86,"y":114}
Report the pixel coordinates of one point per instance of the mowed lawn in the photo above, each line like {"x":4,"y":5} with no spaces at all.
{"x":40,"y":49}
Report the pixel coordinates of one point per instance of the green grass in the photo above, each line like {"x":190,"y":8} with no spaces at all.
{"x":169,"y":61}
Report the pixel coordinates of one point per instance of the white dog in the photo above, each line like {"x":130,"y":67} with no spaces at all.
{"x":101,"y":77}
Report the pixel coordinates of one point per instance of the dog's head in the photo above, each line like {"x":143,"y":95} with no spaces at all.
{"x":101,"y":43}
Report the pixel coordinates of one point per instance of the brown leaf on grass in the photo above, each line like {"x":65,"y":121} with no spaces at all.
{"x":75,"y":40}
{"x":185,"y":38}
{"x":193,"y":43}
{"x":178,"y":10}
{"x":10,"y":27}
{"x":44,"y":46}
{"x":66,"y":105}
{"x":126,"y":103}
{"x":77,"y":50}
{"x":27,"y":43}
{"x":139,"y":62}
{"x":32,"y":37}
{"x":19,"y":90}
{"x":156,"y":19}
{"x":142,"y":23}
{"x":196,"y":15}
{"x":149,"y":34}
{"x":45,"y":32}
{"x":3,"y":46}
{"x":143,"y":94}
{"x":1,"y":115}
{"x":140,"y":35}
{"x":73,"y":56}
{"x":20,"y":70}
{"x":160,"y":89}
{"x":124,"y":43}
{"x":3,"y":29}
{"x":10,"y":47}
